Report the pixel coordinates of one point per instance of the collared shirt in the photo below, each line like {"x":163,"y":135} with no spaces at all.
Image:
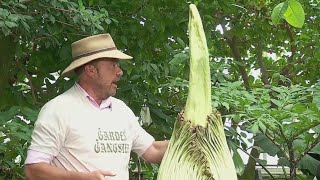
{"x":106,"y":103}
{"x":84,"y":138}
{"x":36,"y":157}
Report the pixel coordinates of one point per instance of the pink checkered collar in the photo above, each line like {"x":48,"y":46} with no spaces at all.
{"x":107,"y":103}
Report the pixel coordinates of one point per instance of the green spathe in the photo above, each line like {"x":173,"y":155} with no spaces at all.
{"x":198,"y":149}
{"x":197,"y":153}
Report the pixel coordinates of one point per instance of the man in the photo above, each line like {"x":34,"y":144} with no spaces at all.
{"x":86,"y":133}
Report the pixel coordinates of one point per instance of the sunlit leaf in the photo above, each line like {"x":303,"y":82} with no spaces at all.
{"x":294,"y":14}
{"x":278,"y":12}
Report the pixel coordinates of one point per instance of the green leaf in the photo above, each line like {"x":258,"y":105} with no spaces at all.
{"x":114,"y":20}
{"x":76,"y":19}
{"x":4,"y":12}
{"x":309,"y":163}
{"x":180,"y":41}
{"x":262,"y":127}
{"x":288,"y":107}
{"x":236,"y":118}
{"x":13,"y":17}
{"x":266,"y":145}
{"x":11,"y":164}
{"x":140,"y":43}
{"x":91,"y":2}
{"x":238,"y":162}
{"x":21,"y":136}
{"x":262,"y":162}
{"x":124,"y":40}
{"x":255,"y":128}
{"x":9,"y":114}
{"x":295,"y":14}
{"x":239,"y":63}
{"x":135,"y":77}
{"x":277,"y":102}
{"x":266,"y":105}
{"x":99,"y":26}
{"x":26,"y":26}
{"x":226,"y":105}
{"x":316,"y":95}
{"x":108,"y":21}
{"x":11,"y":24}
{"x":52,"y":19}
{"x":298,"y":108}
{"x":29,"y":113}
{"x":22,"y":5}
{"x":278,"y":12}
{"x":159,"y":113}
{"x":176,"y":61}
{"x":168,"y":48}
{"x":83,"y":28}
{"x":80,"y":3}
{"x":155,"y":67}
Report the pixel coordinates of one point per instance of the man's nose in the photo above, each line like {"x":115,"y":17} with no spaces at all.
{"x":120,"y":72}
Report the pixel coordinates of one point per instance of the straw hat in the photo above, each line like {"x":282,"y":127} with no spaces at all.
{"x":91,"y":48}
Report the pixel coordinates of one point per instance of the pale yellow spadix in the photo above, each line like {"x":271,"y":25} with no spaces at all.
{"x":198,"y":105}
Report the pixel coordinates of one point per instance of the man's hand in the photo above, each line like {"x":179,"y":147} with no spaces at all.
{"x":44,"y":171}
{"x":99,"y":175}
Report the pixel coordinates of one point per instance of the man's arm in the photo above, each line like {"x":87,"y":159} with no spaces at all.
{"x":155,"y":152}
{"x":45,"y":171}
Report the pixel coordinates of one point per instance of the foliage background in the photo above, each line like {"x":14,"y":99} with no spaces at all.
{"x":265,"y":77}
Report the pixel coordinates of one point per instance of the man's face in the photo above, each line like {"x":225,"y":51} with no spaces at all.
{"x":108,"y":73}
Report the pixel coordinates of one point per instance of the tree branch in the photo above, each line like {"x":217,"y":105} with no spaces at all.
{"x":317,"y":141}
{"x":278,"y":146}
{"x":143,"y":4}
{"x":300,"y":131}
{"x":64,"y":23}
{"x":59,"y":9}
{"x":29,"y":77}
{"x":77,"y":34}
{"x":233,"y":44}
{"x":292,"y":41}
{"x":287,"y":70}
{"x":264,"y":73}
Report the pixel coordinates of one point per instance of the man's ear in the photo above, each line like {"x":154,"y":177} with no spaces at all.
{"x":90,"y":70}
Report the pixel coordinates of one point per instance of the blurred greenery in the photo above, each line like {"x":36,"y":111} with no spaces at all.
{"x":264,"y":66}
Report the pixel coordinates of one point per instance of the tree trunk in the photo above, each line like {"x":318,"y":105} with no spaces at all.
{"x":293,"y":164}
{"x":248,"y":173}
{"x":293,"y":171}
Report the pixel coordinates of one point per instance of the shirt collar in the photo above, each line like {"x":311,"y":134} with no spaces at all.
{"x":106,"y":103}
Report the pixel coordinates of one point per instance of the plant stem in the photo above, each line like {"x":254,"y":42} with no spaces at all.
{"x":293,"y":171}
{"x":309,"y":148}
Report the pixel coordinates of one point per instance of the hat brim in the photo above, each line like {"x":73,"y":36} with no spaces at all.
{"x":84,"y":60}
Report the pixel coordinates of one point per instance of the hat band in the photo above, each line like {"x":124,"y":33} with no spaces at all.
{"x":94,"y":52}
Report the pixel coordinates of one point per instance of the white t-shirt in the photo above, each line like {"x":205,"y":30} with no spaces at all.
{"x":84,"y":138}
